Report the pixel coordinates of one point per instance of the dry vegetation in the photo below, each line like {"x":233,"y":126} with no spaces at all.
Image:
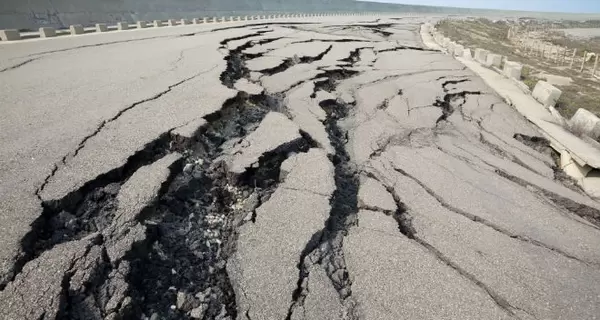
{"x":583,"y":92}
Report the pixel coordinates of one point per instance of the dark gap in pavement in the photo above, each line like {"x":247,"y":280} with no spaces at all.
{"x":224,"y":42}
{"x":586,"y":212}
{"x":448,"y":104}
{"x":331,"y":77}
{"x":86,"y":210}
{"x":400,"y":48}
{"x":326,"y":246}
{"x":289,"y":62}
{"x":197,"y":218}
{"x":354,"y":56}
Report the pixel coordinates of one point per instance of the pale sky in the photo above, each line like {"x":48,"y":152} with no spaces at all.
{"x":582,"y":6}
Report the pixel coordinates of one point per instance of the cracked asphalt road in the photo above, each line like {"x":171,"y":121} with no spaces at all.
{"x":334,"y":169}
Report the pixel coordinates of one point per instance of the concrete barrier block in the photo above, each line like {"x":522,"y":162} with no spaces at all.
{"x":207,"y":20}
{"x":223,"y":19}
{"x":47,"y":32}
{"x":76,"y":29}
{"x":467,"y":54}
{"x":245,"y":18}
{"x":450,"y":48}
{"x":459,"y":50}
{"x":158,"y":23}
{"x":10,"y":35}
{"x":557,"y":116}
{"x":546,"y":93}
{"x":101,"y":27}
{"x":196,"y":21}
{"x":481,"y":55}
{"x":183,"y":22}
{"x":512,"y":69}
{"x":122,"y":25}
{"x":585,"y":122}
{"x":171,"y":22}
{"x":141,"y":24}
{"x":572,"y":168}
{"x":493,"y":60}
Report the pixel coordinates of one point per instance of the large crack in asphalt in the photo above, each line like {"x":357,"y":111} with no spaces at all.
{"x":86,"y":210}
{"x":197,"y":219}
{"x":452,"y":100}
{"x":375,"y":28}
{"x":326,"y":246}
{"x":177,"y":270}
{"x":404,"y":221}
{"x":199,"y":215}
{"x":586,"y":212}
{"x":103,"y":124}
{"x":486,"y":222}
{"x":398,"y":48}
{"x":190,"y":230}
{"x":289,"y":62}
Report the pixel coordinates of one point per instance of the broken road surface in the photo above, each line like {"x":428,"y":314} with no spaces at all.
{"x":317,"y":170}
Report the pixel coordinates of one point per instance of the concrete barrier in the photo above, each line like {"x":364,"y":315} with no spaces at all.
{"x":572,"y":168}
{"x":10,"y":35}
{"x":206,"y":20}
{"x":450,"y":48}
{"x":546,"y":93}
{"x":47,"y":32}
{"x":493,"y":60}
{"x":459,"y":50}
{"x":171,"y":22}
{"x":122,"y":25}
{"x":481,"y":55}
{"x":141,"y":24}
{"x":76,"y":29}
{"x":158,"y":23}
{"x":467,"y":54}
{"x":101,"y":27}
{"x":585,"y":122}
{"x":223,"y":19}
{"x":512,"y":69}
{"x":183,"y":22}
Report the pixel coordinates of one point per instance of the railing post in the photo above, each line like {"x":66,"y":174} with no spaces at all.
{"x":583,"y":62}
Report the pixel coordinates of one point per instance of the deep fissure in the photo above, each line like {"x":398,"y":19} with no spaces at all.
{"x":326,"y":245}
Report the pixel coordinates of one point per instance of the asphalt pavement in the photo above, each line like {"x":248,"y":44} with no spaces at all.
{"x":309,"y":168}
